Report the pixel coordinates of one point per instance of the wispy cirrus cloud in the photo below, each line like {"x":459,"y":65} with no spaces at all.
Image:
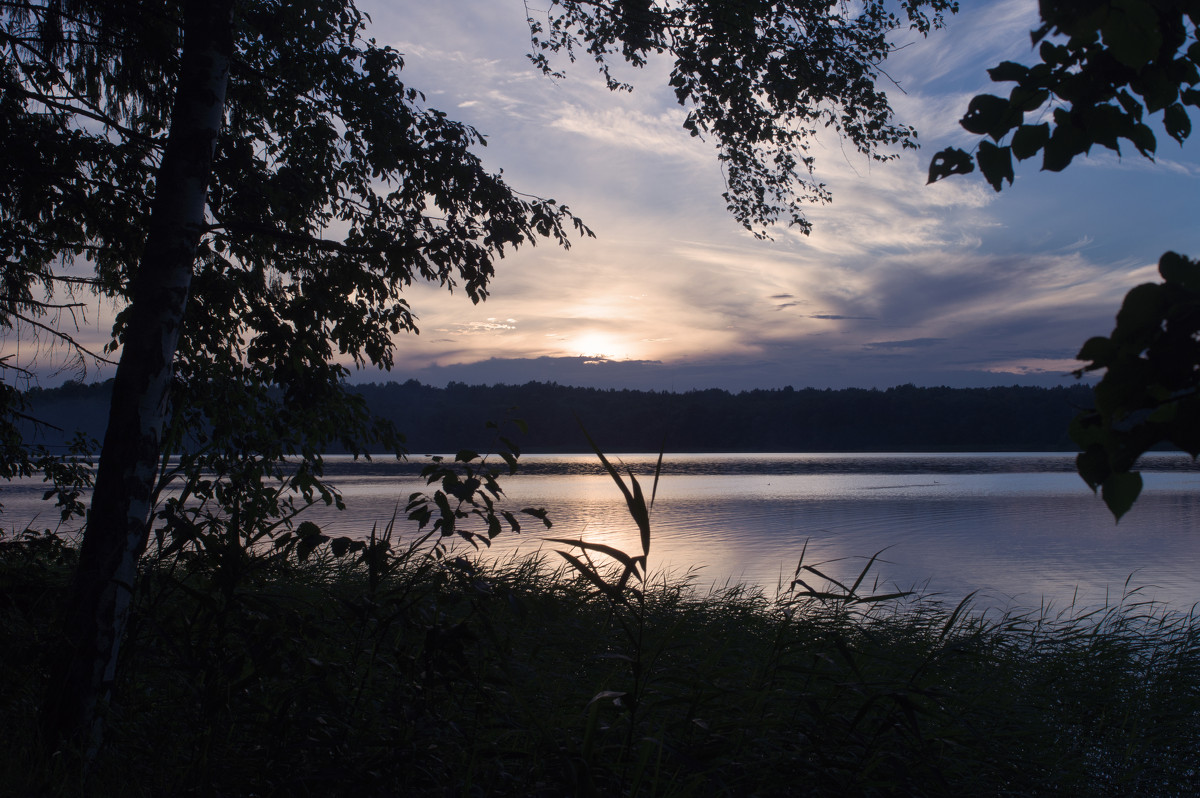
{"x":627,"y":129}
{"x":899,"y":281}
{"x":911,"y":343}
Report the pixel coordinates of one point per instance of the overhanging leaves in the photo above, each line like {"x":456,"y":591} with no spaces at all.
{"x":757,"y":79}
{"x":1105,"y":66}
{"x":950,"y":161}
{"x":1120,"y":491}
{"x":995,"y":163}
{"x":990,"y":115}
{"x":1150,"y":392}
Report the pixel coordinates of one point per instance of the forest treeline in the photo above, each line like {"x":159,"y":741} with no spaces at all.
{"x":904,"y":418}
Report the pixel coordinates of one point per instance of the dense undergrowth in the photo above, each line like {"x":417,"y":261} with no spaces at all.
{"x":392,"y":673}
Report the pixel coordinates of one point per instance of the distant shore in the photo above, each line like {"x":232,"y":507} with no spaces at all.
{"x":901,"y":419}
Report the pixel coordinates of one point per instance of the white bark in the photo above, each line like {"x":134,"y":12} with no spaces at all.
{"x":118,"y":521}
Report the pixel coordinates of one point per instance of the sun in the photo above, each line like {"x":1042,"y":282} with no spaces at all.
{"x":599,"y":345}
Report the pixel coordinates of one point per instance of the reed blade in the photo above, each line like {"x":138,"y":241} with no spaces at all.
{"x":613,"y":594}
{"x":616,"y":554}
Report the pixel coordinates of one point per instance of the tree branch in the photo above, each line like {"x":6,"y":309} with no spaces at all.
{"x":65,"y":337}
{"x":325,"y":244}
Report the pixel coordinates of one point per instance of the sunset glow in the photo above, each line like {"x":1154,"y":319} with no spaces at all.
{"x":899,"y":282}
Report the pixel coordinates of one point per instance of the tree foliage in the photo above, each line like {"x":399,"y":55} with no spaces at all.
{"x":332,"y":187}
{"x":758,"y":78}
{"x":901,"y":419}
{"x":1106,"y":69}
{"x":254,"y":184}
{"x":1150,"y":393}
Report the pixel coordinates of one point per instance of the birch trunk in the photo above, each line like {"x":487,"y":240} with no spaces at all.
{"x":118,"y":521}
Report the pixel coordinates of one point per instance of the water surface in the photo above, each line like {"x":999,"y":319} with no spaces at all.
{"x":1022,"y":529}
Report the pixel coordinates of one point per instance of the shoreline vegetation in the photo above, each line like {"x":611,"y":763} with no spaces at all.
{"x":905,"y":418}
{"x":396,"y":667}
{"x":398,"y":674}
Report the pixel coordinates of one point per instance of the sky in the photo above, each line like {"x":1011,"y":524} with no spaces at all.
{"x":899,"y":282}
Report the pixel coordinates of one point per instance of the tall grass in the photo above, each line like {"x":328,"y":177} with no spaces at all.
{"x":392,"y":672}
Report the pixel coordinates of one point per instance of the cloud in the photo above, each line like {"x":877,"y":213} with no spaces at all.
{"x":911,"y":343}
{"x":658,"y":135}
{"x":836,"y":317}
{"x":489,"y":326}
{"x":949,"y":283}
{"x":674,"y":293}
{"x":734,"y":375}
{"x":981,"y":34}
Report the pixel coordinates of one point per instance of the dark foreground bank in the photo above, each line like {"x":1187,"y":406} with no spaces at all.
{"x":386,"y":672}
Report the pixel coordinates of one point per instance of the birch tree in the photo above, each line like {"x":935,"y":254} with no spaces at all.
{"x":200,"y":154}
{"x":254,"y":183}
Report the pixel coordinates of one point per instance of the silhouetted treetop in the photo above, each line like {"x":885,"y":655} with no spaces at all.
{"x":1104,"y":69}
{"x":758,"y":78}
{"x":903,"y":418}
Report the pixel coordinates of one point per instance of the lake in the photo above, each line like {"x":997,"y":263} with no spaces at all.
{"x":1020,"y":528}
